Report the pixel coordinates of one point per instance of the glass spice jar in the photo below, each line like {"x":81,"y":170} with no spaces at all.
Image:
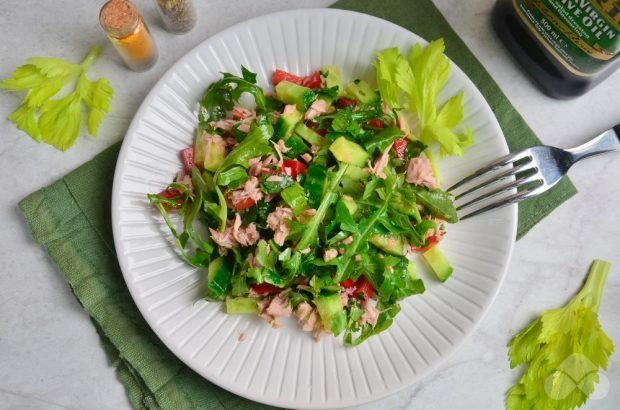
{"x":179,"y":16}
{"x":129,"y":34}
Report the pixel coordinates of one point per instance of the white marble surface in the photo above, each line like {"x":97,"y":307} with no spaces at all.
{"x":50,"y":356}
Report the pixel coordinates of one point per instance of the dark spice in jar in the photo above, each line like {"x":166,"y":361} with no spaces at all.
{"x":179,"y":16}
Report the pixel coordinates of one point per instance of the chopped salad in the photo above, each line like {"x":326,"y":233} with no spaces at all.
{"x":313,"y":200}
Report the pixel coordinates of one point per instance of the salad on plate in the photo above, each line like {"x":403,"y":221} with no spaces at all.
{"x":316,"y":199}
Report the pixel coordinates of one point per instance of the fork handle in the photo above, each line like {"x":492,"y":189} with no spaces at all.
{"x":608,"y":141}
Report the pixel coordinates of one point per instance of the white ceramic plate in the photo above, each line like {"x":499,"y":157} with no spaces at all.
{"x":287,"y":367}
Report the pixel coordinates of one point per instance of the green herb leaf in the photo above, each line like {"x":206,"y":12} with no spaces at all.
{"x":248,"y":76}
{"x":276,"y":184}
{"x":57,"y":121}
{"x":562,"y":351}
{"x":439,"y":203}
{"x":309,"y":236}
{"x":97,"y":99}
{"x":222,"y":95}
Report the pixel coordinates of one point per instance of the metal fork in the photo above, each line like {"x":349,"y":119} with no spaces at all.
{"x":531,"y":171}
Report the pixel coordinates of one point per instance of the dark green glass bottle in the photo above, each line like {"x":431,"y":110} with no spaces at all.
{"x":567,"y":46}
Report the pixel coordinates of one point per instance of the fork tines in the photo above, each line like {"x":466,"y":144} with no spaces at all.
{"x":523,"y":181}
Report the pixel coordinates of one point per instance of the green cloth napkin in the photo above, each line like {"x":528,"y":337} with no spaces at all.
{"x":71,"y":219}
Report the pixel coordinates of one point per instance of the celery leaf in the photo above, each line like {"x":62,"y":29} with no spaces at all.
{"x":57,"y":121}
{"x":562,"y":351}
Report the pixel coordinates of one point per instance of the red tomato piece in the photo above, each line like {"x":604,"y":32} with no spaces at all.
{"x":187,"y":158}
{"x":295,"y":167}
{"x":349,"y":283}
{"x":376,"y":123}
{"x":265,"y":288}
{"x":399,"y":147}
{"x":364,"y":286}
{"x":244,"y":203}
{"x":312,"y":124}
{"x":430,"y":242}
{"x":313,"y":80}
{"x":281,"y":75}
{"x":170,"y":193}
{"x":344,"y":102}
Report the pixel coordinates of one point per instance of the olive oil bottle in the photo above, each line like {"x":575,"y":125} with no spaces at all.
{"x":567,"y":46}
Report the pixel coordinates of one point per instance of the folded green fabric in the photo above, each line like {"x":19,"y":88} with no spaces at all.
{"x":71,"y":219}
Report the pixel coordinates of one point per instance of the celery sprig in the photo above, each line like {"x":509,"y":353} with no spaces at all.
{"x":562,"y":351}
{"x":56,"y":121}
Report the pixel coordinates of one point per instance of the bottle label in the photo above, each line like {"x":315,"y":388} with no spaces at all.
{"x":583,"y":35}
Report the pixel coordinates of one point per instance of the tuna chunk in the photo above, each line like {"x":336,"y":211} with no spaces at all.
{"x":244,"y":127}
{"x":330,"y":254}
{"x":317,"y":108}
{"x":224,"y":125}
{"x":249,"y":190}
{"x":244,"y":236}
{"x":380,"y":164}
{"x":280,"y":148}
{"x":288,"y":109}
{"x":420,"y":172}
{"x":241,"y":113}
{"x":307,"y":316}
{"x":280,"y":306}
{"x":223,"y":239}
{"x":235,"y":235}
{"x":276,"y":221}
{"x":258,"y":166}
{"x":185,"y":179}
{"x":371,"y":314}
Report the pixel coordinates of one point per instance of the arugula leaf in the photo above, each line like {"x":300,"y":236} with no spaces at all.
{"x":57,"y":121}
{"x":366,"y":227}
{"x":439,"y":203}
{"x":309,"y":236}
{"x":180,"y":239}
{"x":275,"y":186}
{"x":248,"y":76}
{"x":292,"y":265}
{"x":315,"y":182}
{"x":384,"y":321}
{"x":222,"y":95}
{"x":233,"y":177}
{"x":405,"y":201}
{"x":344,"y":218}
{"x":398,"y":283}
{"x":383,"y":139}
{"x":267,"y":272}
{"x":562,"y":351}
{"x":324,"y":284}
{"x":256,"y":144}
{"x":295,"y":197}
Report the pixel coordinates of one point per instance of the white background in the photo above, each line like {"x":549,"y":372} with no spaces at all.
{"x":50,"y":354}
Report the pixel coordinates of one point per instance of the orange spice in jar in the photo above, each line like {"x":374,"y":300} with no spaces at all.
{"x":129,"y":34}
